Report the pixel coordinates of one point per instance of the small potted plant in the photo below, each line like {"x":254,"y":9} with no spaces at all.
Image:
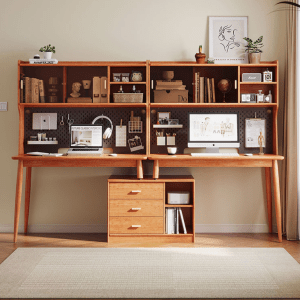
{"x":253,"y":48}
{"x":48,"y":50}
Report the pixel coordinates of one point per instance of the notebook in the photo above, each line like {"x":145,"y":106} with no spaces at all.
{"x":86,"y":140}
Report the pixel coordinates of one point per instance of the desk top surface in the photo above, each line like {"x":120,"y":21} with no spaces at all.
{"x":212,"y":157}
{"x":82,"y":157}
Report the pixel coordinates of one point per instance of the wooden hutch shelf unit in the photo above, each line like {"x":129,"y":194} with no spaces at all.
{"x":83,"y":113}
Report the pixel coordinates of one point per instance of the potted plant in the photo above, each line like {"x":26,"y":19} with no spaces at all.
{"x":48,"y":50}
{"x":253,"y":48}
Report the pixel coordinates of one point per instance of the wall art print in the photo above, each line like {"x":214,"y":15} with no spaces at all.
{"x":226,"y":44}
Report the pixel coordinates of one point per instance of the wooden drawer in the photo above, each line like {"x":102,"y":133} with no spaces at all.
{"x":136,"y":208}
{"x":136,"y":225}
{"x":142,"y":191}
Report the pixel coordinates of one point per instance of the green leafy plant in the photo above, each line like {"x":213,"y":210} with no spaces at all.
{"x":48,"y":48}
{"x":254,"y":47}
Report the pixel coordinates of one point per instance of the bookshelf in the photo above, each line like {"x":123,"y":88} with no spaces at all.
{"x":67,"y":73}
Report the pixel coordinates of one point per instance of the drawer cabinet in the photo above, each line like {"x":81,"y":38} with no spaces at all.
{"x":137,"y":209}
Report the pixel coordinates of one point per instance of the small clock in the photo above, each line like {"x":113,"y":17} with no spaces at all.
{"x":136,"y":76}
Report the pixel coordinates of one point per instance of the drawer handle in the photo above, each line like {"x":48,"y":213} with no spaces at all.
{"x":136,"y":226}
{"x":136,"y":191}
{"x":136,"y":208}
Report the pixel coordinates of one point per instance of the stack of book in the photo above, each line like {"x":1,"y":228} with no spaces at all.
{"x":32,"y":90}
{"x":204,"y":89}
{"x":172,"y":220}
{"x":169,"y":85}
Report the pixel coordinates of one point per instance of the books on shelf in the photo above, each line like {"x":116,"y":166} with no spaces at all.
{"x":173,"y":214}
{"x":32,"y":90}
{"x":204,"y":89}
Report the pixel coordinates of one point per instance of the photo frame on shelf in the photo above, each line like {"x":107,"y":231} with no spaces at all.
{"x":226,"y":43}
{"x":163,"y":117}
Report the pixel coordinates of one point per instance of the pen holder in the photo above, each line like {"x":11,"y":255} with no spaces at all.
{"x":161,"y":141}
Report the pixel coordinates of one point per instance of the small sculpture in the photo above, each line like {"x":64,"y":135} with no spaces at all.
{"x":75,"y":89}
{"x":261,"y":143}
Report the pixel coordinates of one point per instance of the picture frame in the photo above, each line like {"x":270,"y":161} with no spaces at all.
{"x":135,"y":144}
{"x":226,"y":43}
{"x":253,"y":127}
{"x":163,"y":117}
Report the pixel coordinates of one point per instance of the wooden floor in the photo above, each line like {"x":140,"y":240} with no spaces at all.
{"x":99,"y":240}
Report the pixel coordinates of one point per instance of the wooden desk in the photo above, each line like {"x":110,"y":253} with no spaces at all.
{"x":266,"y":161}
{"x":122,"y":160}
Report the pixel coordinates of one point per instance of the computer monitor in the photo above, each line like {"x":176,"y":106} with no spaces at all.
{"x":213,"y":131}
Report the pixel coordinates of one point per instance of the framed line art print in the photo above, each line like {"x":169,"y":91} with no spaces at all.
{"x":226,"y":44}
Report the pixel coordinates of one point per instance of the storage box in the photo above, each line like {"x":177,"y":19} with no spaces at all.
{"x":178,"y":197}
{"x":171,"y":96}
{"x":128,"y":97}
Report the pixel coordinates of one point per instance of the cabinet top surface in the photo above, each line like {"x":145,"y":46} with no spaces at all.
{"x":147,"y":178}
{"x":141,"y":63}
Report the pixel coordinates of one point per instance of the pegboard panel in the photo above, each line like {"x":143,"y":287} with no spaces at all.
{"x":182,"y":134}
{"x":83,"y":116}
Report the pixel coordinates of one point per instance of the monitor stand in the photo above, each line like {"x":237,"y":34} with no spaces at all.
{"x":212,"y":150}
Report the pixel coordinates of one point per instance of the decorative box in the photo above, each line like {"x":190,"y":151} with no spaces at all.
{"x":128,"y":97}
{"x":178,"y":197}
{"x":171,"y":96}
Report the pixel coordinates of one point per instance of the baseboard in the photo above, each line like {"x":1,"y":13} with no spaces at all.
{"x":58,"y":228}
{"x":231,"y":228}
{"x":102,"y":228}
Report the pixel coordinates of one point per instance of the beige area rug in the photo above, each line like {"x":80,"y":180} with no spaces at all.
{"x":150,"y":273}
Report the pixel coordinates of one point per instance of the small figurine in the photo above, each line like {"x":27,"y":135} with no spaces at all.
{"x":75,"y":89}
{"x":261,"y":143}
{"x":136,"y":76}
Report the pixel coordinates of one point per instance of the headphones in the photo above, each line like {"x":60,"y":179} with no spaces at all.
{"x":107,"y":133}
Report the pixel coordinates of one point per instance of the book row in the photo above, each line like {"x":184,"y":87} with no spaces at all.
{"x":173,"y":215}
{"x":204,"y":89}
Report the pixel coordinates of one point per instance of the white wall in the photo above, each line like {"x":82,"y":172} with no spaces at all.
{"x":118,"y":30}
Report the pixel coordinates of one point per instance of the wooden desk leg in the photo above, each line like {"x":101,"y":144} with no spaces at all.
{"x":18,"y":198}
{"x":277,"y":198}
{"x":27,"y":198}
{"x":155,"y":169}
{"x":139,"y":169}
{"x":269,"y":197}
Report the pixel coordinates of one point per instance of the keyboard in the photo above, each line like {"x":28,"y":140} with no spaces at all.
{"x":213,"y":154}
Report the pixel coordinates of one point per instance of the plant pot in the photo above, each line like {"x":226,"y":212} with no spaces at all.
{"x":200,"y":58}
{"x":254,"y":58}
{"x":47,"y":55}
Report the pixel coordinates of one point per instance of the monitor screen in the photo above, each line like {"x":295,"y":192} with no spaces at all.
{"x":213,"y":128}
{"x":86,"y":136}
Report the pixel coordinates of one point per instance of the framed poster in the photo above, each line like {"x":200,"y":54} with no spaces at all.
{"x":226,"y":43}
{"x":253,"y":128}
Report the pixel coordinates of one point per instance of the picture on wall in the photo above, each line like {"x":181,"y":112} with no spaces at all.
{"x":226,"y":44}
